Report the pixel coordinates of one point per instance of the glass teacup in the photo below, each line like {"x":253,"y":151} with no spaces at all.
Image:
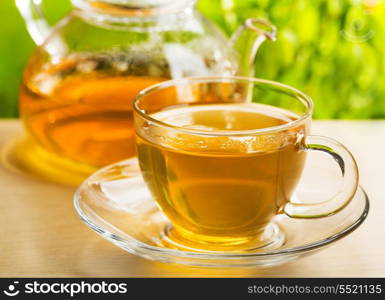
{"x":221,"y":163}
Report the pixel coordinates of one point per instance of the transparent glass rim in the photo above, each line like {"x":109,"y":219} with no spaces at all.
{"x":302,"y":97}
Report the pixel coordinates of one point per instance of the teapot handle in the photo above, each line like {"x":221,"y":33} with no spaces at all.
{"x":37,"y":25}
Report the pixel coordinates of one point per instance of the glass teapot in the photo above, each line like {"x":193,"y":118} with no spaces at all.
{"x":75,"y":100}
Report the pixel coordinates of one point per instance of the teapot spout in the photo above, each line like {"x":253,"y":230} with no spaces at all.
{"x":247,"y":40}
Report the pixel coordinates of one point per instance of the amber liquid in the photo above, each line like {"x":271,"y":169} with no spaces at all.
{"x":87,"y":119}
{"x":221,"y":189}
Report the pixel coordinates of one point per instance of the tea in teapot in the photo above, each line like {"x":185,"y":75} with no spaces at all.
{"x":77,"y":91}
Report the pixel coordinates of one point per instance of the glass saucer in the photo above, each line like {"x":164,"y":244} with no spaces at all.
{"x":116,"y":204}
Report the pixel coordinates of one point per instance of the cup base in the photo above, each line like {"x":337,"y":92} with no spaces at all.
{"x":270,"y":238}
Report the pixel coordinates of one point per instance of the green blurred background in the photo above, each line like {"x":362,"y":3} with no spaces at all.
{"x":331,"y":49}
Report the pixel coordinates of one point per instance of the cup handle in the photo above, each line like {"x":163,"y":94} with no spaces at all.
{"x":350,"y":175}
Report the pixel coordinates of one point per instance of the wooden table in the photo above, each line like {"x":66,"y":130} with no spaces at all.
{"x":41,"y":234}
